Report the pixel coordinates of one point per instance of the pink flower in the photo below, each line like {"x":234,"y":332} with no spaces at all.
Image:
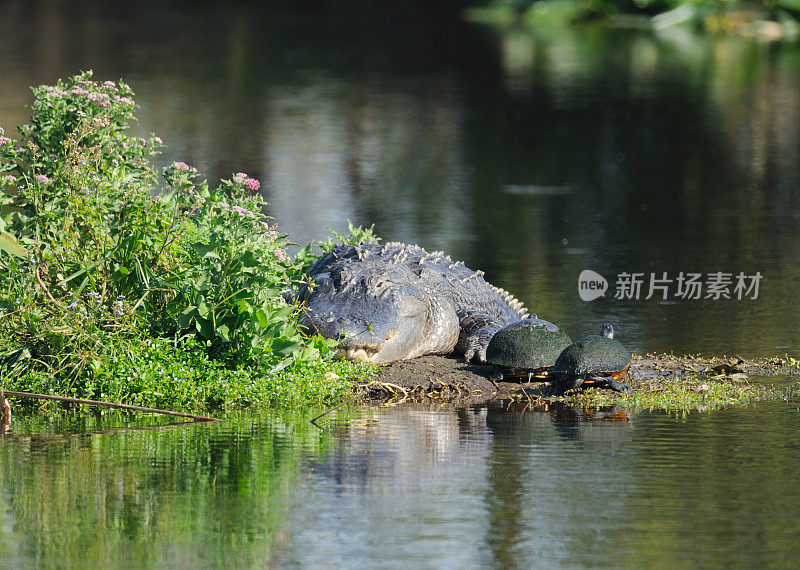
{"x":181,"y":166}
{"x":4,"y":140}
{"x":243,"y":212}
{"x":252,"y":184}
{"x":79,"y":91}
{"x":280,"y":255}
{"x":103,"y":104}
{"x":239,"y":177}
{"x":42,"y":179}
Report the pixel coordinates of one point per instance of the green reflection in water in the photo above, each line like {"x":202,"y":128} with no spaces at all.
{"x":198,"y":495}
{"x":439,"y":486}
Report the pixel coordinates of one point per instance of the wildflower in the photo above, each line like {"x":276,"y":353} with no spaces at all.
{"x":72,"y":305}
{"x":243,"y":212}
{"x":103,"y":104}
{"x":239,"y":177}
{"x":95,"y":296}
{"x":118,"y":305}
{"x":79,"y":91}
{"x":10,"y":178}
{"x":280,"y":255}
{"x":110,"y":84}
{"x":158,"y":140}
{"x":42,"y":179}
{"x":123,"y":100}
{"x":252,"y":184}
{"x":143,"y":141}
{"x":4,"y":140}
{"x":181,"y":166}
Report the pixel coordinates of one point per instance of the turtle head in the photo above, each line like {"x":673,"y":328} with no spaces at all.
{"x":607,"y":330}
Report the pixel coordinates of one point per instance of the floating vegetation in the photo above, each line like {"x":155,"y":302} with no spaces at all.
{"x":669,"y":382}
{"x":678,"y":394}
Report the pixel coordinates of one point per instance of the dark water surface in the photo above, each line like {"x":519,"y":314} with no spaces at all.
{"x":533,"y":156}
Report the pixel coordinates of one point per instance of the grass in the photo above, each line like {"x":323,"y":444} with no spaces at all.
{"x":154,"y":373}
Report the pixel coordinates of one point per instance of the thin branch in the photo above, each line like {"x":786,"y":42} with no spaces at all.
{"x":109,"y":405}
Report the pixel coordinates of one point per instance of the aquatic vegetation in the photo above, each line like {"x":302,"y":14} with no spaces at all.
{"x":687,"y":393}
{"x":683,"y":383}
{"x":121,"y":282}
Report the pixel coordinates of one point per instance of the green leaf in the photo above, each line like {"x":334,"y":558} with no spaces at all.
{"x":281,"y":313}
{"x":243,"y":307}
{"x":205,"y":250}
{"x":186,"y":317}
{"x":247,"y":259}
{"x":285,"y":347}
{"x":10,"y":245}
{"x":205,"y":327}
{"x":224,"y":333}
{"x":202,"y":308}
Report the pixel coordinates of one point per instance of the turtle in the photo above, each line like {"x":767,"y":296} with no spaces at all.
{"x":593,"y":360}
{"x":526,"y":349}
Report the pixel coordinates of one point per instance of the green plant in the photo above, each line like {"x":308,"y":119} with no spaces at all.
{"x":99,"y":251}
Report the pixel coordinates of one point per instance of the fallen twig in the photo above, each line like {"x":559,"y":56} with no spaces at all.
{"x":109,"y":405}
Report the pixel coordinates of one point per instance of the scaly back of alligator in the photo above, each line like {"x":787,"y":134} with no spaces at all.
{"x":433,"y":272}
{"x":353,"y":281}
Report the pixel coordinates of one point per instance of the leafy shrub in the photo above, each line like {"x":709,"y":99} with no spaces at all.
{"x":98,"y":251}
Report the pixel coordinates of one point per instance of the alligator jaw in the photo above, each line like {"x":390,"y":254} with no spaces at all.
{"x":359,"y":353}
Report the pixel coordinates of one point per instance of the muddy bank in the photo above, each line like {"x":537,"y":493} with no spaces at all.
{"x":450,"y":379}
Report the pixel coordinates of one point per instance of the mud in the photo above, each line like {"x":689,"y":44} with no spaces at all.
{"x":449,"y":379}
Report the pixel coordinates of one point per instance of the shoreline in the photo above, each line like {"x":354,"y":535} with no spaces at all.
{"x":666,"y":379}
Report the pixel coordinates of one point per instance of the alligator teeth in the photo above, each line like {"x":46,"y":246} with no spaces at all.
{"x":360,"y":353}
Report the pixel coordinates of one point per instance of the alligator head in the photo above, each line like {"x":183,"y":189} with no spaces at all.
{"x":379,"y":317}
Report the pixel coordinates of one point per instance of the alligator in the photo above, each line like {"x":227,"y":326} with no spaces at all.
{"x":397,"y":301}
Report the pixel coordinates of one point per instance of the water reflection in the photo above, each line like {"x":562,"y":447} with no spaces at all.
{"x":438,"y":486}
{"x":506,"y":477}
{"x":199,"y":495}
{"x":560,"y":487}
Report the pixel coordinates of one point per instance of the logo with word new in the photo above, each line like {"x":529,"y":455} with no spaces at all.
{"x":591,"y":285}
{"x":714,"y":285}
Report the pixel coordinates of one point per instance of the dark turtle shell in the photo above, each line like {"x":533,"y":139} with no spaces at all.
{"x":530,"y":344}
{"x":593,"y":354}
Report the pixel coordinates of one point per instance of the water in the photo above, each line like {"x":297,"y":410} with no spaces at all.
{"x":532,"y":156}
{"x":431,"y":486}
